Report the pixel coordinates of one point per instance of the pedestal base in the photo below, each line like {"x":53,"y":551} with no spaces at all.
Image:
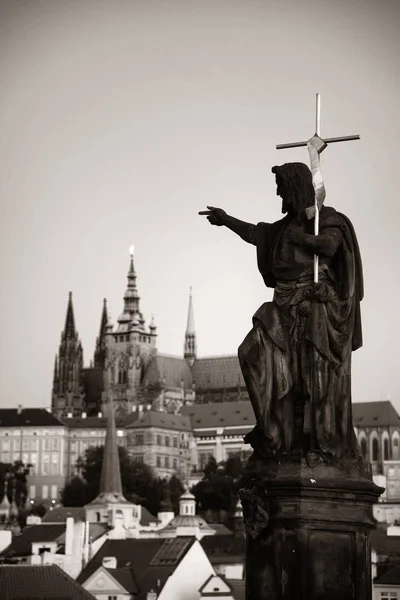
{"x":309,"y":531}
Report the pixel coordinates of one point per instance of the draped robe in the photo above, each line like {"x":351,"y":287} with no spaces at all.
{"x":300,"y":345}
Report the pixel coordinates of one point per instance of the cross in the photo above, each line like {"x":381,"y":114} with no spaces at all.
{"x":315,"y":146}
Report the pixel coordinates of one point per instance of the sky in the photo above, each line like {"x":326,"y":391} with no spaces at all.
{"x":120,"y":120}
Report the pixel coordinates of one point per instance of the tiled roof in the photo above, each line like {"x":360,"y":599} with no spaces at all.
{"x":85,"y":422}
{"x":220,"y":414}
{"x":47,"y":582}
{"x":137,"y":555}
{"x":224,"y":549}
{"x":220,"y":372}
{"x":375,"y":414}
{"x":161,"y":420}
{"x":61,"y":513}
{"x":28,"y":417}
{"x":391,"y":577}
{"x":21,"y":544}
{"x":238,"y":587}
{"x":171,"y":369}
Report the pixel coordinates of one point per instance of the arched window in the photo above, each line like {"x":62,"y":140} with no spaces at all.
{"x":363,"y":445}
{"x":385,"y":449}
{"x":395,"y":448}
{"x":375,"y":449}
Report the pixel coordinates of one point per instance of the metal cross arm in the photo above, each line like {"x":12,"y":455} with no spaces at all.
{"x":344,"y":138}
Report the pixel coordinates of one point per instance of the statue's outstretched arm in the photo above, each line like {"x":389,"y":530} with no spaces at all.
{"x":217,"y":216}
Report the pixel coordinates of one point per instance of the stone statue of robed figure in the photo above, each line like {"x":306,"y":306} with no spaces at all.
{"x":296,"y":360}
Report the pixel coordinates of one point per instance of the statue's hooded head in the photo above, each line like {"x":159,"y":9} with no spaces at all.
{"x":294,"y":185}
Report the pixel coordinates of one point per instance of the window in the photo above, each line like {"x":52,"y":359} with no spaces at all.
{"x":54,"y":464}
{"x":54,"y":492}
{"x":112,"y":598}
{"x":167,"y":440}
{"x":45,"y":492}
{"x":175,"y":442}
{"x":175,"y":463}
{"x":46,"y":464}
{"x":385,"y":449}
{"x":54,"y":444}
{"x":46,"y":444}
{"x":363,"y":445}
{"x":25,"y":444}
{"x":32,"y":492}
{"x":158,"y":461}
{"x":139,"y":439}
{"x":159,"y":440}
{"x":389,"y":596}
{"x":166,"y":462}
{"x":375,"y":449}
{"x":139,"y":458}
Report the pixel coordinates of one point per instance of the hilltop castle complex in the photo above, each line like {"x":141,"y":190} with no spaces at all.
{"x":128,"y":370}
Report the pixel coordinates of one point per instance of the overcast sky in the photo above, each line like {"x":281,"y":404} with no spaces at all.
{"x":120,"y":120}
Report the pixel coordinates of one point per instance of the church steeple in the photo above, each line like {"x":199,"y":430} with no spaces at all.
{"x":99,"y":353}
{"x":67,"y":393}
{"x":190,"y":350}
{"x":110,"y":479}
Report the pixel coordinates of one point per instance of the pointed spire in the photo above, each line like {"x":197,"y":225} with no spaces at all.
{"x":190,"y":335}
{"x":99,"y":353}
{"x":69,"y":328}
{"x":110,"y":490}
{"x":131,"y":300}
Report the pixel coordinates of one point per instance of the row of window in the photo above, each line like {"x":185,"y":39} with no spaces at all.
{"x":27,"y":444}
{"x":375,"y":449}
{"x":138,"y":440}
{"x":47,"y":492}
{"x":167,"y":462}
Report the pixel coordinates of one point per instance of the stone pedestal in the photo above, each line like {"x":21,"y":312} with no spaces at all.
{"x":308,"y":530}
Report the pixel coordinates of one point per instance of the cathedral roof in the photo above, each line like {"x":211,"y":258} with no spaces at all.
{"x":375,"y":414}
{"x":161,"y":420}
{"x":220,"y":414}
{"x":217,"y":372}
{"x":171,"y":370}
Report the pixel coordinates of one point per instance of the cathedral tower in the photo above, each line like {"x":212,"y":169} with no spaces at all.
{"x":67,"y":394}
{"x":190,"y":350}
{"x":128,"y":350}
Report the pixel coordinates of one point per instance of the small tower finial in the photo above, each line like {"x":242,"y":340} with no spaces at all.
{"x":190,"y":334}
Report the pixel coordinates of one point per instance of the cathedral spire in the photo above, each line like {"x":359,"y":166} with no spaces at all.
{"x":131,"y":313}
{"x":69,"y":328}
{"x":99,"y":353}
{"x":190,"y":334}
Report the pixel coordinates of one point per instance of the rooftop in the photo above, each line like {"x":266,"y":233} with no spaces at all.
{"x":375,"y":414}
{"x":220,"y":414}
{"x":47,"y":582}
{"x":28,"y":417}
{"x":161,"y":420}
{"x":217,"y":372}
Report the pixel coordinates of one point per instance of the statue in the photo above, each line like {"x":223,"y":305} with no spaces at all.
{"x":296,"y":360}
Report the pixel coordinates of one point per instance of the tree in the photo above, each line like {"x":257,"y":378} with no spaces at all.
{"x":217,"y":492}
{"x":139,"y":484}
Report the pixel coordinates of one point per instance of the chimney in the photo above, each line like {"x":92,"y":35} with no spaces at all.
{"x":69,"y":535}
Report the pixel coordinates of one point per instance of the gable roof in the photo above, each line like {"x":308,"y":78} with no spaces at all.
{"x":28,"y":417}
{"x":43,"y":582}
{"x":391,"y":577}
{"x":220,"y":414}
{"x":150,"y":561}
{"x":161,"y":420}
{"x":61,"y":513}
{"x":217,"y":373}
{"x":375,"y":414}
